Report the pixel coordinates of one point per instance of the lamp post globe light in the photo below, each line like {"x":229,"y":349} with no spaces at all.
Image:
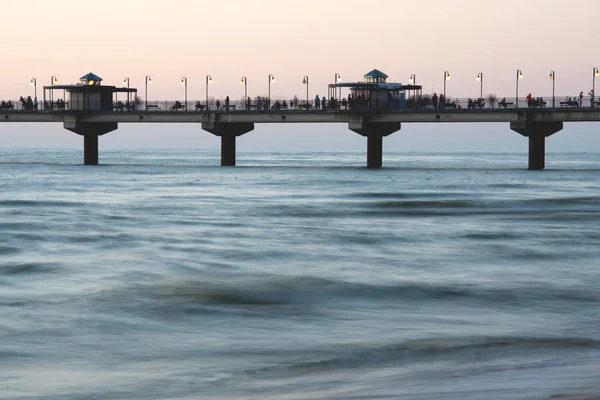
{"x":271,"y":79}
{"x":245,"y":83}
{"x":446,"y":78}
{"x":337,"y":79}
{"x":34,"y":84}
{"x":480,"y":80}
{"x":595,"y":74}
{"x":184,"y":83}
{"x":519,"y":76}
{"x":208,"y":82}
{"x":552,"y":77}
{"x":148,"y":81}
{"x":305,"y":81}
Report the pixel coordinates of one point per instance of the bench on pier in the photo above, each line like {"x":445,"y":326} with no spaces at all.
{"x":120,"y":106}
{"x":152,"y":107}
{"x":255,"y":106}
{"x":305,"y":106}
{"x":227,"y":108}
{"x":569,"y":104}
{"x":505,"y":104}
{"x":56,"y":105}
{"x":178,"y":106}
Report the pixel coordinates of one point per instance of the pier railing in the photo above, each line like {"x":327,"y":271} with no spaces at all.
{"x":422,"y":103}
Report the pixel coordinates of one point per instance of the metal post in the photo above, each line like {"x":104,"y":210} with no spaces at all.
{"x":184,"y":82}
{"x":444,"y":86}
{"x":126,"y":80}
{"x":335,"y":91}
{"x":208,"y":80}
{"x":413,"y":80}
{"x":594,"y":75}
{"x":34,"y":83}
{"x":271,"y":78}
{"x":146,"y":93}
{"x":553,"y":75}
{"x":446,"y":77}
{"x":245,"y":82}
{"x":519,"y":76}
{"x":52,"y":80}
{"x":305,"y":81}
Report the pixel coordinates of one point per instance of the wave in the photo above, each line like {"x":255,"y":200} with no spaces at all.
{"x":399,"y":204}
{"x":26,"y":268}
{"x":309,"y":292}
{"x":423,"y":350}
{"x":6,"y":250}
{"x":37,"y":203}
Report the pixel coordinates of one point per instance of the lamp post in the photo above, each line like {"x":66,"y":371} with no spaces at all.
{"x":480,"y":80}
{"x":53,"y":81}
{"x":208,"y":82}
{"x":245,"y":83}
{"x":34,"y":84}
{"x":552,"y":77}
{"x":148,"y":81}
{"x":126,"y":81}
{"x":595,"y":74}
{"x":446,"y":78}
{"x":337,"y":79}
{"x":413,"y":81}
{"x":271,"y":79}
{"x":519,"y":76}
{"x":184,"y":83}
{"x":305,"y":81}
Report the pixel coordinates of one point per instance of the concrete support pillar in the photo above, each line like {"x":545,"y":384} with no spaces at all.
{"x":375,"y":132}
{"x":374,"y":151}
{"x":537,"y":132}
{"x":90,"y":149}
{"x":90,"y":132}
{"x":228,"y":151}
{"x":228,"y":131}
{"x":537,"y":152}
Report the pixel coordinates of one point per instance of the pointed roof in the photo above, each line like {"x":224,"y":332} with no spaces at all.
{"x":91,"y":77}
{"x":376,"y":74}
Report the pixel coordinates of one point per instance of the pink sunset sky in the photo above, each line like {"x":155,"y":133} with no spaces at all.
{"x":291,"y":39}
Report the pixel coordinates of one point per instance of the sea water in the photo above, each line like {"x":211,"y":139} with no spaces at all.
{"x":298,"y":275}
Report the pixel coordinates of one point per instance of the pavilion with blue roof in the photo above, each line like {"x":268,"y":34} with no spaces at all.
{"x":89,"y":94}
{"x":374,"y":92}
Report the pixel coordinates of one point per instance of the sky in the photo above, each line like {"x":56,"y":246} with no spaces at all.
{"x":291,"y":39}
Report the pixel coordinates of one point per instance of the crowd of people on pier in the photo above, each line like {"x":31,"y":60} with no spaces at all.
{"x":7,"y":105}
{"x":122,"y":106}
{"x":265,"y":104}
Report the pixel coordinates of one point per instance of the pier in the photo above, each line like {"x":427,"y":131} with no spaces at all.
{"x":379,"y":109}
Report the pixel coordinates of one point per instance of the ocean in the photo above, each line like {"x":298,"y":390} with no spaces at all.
{"x":298,"y":275}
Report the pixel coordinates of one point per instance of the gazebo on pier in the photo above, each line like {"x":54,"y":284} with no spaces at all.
{"x":87,"y":95}
{"x":376,"y":93}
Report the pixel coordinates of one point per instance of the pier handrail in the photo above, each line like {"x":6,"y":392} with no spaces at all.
{"x":422,"y":103}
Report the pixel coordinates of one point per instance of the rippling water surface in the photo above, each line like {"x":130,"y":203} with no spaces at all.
{"x":159,"y":275}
